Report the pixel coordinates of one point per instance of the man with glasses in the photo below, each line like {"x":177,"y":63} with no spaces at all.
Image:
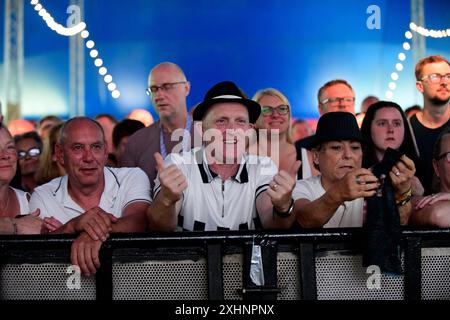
{"x":29,"y":146}
{"x":335,"y":95}
{"x":168,"y":89}
{"x":434,"y":209}
{"x":433,"y":81}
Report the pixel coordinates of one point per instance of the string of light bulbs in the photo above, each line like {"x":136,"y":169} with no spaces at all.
{"x":80,"y":28}
{"x":406,"y":47}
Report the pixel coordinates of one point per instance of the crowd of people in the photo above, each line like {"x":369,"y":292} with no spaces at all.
{"x":232,"y":163}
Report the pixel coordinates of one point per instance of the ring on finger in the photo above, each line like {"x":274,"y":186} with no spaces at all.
{"x":275,"y":186}
{"x":397,"y":173}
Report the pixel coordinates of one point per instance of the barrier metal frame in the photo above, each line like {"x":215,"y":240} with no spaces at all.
{"x":214,"y":245}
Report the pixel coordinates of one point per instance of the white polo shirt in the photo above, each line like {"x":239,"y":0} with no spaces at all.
{"x":123,"y":186}
{"x":349,"y":214}
{"x":209,"y":203}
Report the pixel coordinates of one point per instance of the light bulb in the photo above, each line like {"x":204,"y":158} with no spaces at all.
{"x":112,"y":86}
{"x":84,"y":34}
{"x":389,"y":94}
{"x":90,"y":44}
{"x":115,"y":94}
{"x":93,"y":53}
{"x":102,"y":71}
{"x":98,"y":62}
{"x":108,"y":78}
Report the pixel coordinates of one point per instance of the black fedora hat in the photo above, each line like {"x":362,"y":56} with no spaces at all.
{"x":226,"y":91}
{"x":336,"y":126}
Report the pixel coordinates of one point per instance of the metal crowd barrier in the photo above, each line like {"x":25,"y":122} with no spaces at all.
{"x":323,"y":264}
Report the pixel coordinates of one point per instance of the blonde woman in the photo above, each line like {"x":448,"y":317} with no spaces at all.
{"x":13,"y":202}
{"x":275,"y":141}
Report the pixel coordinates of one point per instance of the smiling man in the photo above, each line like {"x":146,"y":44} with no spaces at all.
{"x":219,"y":186}
{"x":91,"y":200}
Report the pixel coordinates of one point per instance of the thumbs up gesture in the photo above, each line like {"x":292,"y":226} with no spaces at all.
{"x":281,"y":186}
{"x":172,"y":181}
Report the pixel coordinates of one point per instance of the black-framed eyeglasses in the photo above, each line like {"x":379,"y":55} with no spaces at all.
{"x":164,"y":87}
{"x":437,"y":78}
{"x":346,"y":100}
{"x":33,"y":152}
{"x":444,"y":155}
{"x":281,"y":109}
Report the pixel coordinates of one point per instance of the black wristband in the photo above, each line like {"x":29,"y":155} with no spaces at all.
{"x":287,"y":213}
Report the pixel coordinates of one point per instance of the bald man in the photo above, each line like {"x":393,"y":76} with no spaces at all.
{"x":168,"y":88}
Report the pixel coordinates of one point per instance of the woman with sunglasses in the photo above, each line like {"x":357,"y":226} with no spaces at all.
{"x":14,"y":209}
{"x":29,"y":146}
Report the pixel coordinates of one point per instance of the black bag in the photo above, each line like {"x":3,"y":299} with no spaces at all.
{"x":383,"y":236}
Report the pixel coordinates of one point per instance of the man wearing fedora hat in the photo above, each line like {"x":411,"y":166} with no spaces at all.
{"x":335,"y":198}
{"x":335,"y":95}
{"x":218,"y":186}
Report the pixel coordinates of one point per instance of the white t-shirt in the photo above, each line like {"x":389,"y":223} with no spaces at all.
{"x":306,"y":167}
{"x":123,"y":186}
{"x":349,"y":214}
{"x":23,"y":201}
{"x":209,"y":203}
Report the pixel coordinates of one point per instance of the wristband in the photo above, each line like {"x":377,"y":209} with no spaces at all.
{"x":287,"y":213}
{"x":403,"y":196}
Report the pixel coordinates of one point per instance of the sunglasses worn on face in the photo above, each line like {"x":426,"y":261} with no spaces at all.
{"x":33,"y":152}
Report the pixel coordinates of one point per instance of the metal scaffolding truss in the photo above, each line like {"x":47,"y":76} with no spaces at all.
{"x":14,"y":62}
{"x":417,"y":16}
{"x":76,"y":73}
{"x":13,"y":58}
{"x":418,"y":42}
